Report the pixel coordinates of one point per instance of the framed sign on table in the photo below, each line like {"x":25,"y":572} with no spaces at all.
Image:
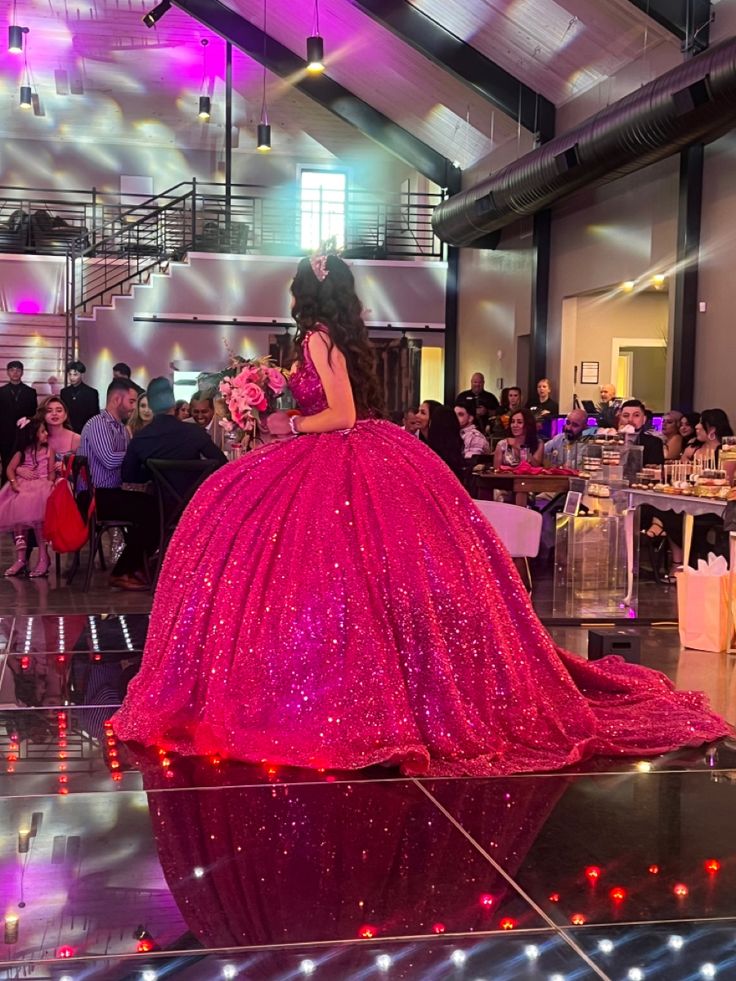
{"x":589,"y":372}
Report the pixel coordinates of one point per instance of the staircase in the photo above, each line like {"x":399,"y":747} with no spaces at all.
{"x":38,"y":341}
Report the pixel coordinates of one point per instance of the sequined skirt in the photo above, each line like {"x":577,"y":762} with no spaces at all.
{"x":338,"y":601}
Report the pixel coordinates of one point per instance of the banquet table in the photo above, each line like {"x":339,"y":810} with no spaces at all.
{"x":688,"y":507}
{"x":520,"y":485}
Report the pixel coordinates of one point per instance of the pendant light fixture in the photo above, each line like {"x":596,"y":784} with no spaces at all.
{"x":263,"y":140}
{"x":26,"y":94}
{"x":315,"y":46}
{"x":205,"y":103}
{"x":15,"y":33}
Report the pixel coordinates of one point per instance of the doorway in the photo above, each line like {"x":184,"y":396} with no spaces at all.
{"x":641,"y":369}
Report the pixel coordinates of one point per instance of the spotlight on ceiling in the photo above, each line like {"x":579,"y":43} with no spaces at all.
{"x":155,"y":15}
{"x":204,"y":107}
{"x":263,"y":144}
{"x":315,"y":54}
{"x":15,"y":38}
{"x":26,"y":98}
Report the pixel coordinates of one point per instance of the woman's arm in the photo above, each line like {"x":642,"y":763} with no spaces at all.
{"x":12,"y":467}
{"x":673,"y":448}
{"x":538,"y":455}
{"x":340,"y":411}
{"x":498,"y":454}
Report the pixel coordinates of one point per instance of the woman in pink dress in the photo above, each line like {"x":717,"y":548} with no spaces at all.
{"x":23,"y":498}
{"x":313,"y":604}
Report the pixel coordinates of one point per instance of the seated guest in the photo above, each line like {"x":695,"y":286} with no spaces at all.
{"x":166,"y":438}
{"x":202,"y":411}
{"x":608,"y":408}
{"x":181,"y":409}
{"x":410,"y":422}
{"x":474,"y":442}
{"x":673,"y":441}
{"x":142,"y":415}
{"x":62,"y":438}
{"x":82,"y":401}
{"x":544,"y":408}
{"x":104,"y":444}
{"x":424,"y":417}
{"x":565,"y":449}
{"x":445,"y":439}
{"x":709,"y":432}
{"x":687,"y":430}
{"x":523,"y":445}
{"x":122,"y":370}
{"x":485,"y":403}
{"x":634,"y":414}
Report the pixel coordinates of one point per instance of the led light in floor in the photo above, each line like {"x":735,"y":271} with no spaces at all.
{"x":308,"y":967}
{"x":198,"y":872}
{"x":532,"y":952}
{"x":644,"y":766}
{"x":29,"y":632}
{"x":635,"y":974}
{"x":93,"y":633}
{"x":458,"y":957}
{"x":675,"y":942}
{"x":149,"y":975}
{"x":383,"y":962}
{"x":229,"y":971}
{"x":557,"y":977}
{"x":605,"y":946}
{"x":708,"y":971}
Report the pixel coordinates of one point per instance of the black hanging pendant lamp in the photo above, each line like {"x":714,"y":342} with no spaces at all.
{"x":315,"y":46}
{"x":263,"y":136}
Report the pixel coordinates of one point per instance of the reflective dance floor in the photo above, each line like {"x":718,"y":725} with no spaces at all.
{"x":123,"y":864}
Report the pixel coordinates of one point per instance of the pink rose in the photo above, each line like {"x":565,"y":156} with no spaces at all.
{"x":276,"y":381}
{"x":253,"y":394}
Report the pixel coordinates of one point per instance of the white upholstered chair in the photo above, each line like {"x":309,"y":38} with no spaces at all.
{"x":520,"y":529}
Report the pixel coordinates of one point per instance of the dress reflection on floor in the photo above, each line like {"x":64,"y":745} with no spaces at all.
{"x":117,"y":863}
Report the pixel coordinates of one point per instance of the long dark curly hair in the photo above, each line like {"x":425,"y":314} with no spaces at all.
{"x":333,"y":303}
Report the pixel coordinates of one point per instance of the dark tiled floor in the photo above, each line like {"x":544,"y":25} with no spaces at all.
{"x":261,"y":873}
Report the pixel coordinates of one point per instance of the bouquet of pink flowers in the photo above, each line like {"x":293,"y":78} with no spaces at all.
{"x":248,"y":388}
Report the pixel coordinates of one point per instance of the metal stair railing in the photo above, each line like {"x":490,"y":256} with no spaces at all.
{"x":116,"y":245}
{"x":133,"y":243}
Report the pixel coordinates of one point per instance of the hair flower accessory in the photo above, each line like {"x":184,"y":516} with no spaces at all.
{"x":319,"y":267}
{"x":22,"y":422}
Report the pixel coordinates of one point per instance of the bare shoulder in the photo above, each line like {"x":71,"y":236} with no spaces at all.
{"x":323,"y":351}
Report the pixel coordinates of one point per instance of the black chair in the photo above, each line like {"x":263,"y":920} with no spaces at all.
{"x":176,"y":482}
{"x":97,"y":528}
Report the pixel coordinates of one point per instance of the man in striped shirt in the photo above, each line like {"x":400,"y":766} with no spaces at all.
{"x":104,"y":442}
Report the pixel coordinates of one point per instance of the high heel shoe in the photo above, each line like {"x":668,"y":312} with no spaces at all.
{"x":18,"y":568}
{"x":41,"y":569}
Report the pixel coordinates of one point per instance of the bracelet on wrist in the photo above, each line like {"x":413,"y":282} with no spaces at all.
{"x":292,"y":424}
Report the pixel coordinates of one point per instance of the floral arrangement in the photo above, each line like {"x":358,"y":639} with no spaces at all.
{"x":247,"y":389}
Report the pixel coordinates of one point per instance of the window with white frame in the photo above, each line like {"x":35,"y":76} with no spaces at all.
{"x":322,"y":205}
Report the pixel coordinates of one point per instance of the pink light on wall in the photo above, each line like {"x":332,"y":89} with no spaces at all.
{"x":28,"y":305}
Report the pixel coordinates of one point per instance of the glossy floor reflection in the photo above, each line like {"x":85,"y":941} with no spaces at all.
{"x":117,"y":863}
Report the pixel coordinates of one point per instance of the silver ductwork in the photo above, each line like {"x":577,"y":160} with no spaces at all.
{"x":693,"y":103}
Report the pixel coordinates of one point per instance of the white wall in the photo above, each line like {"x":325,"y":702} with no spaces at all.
{"x":404,"y":294}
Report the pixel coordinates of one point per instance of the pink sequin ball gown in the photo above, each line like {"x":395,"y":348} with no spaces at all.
{"x":337,"y":601}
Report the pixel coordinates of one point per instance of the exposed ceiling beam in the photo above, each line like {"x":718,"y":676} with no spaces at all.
{"x":467,"y":64}
{"x":688,"y":20}
{"x":328,"y":93}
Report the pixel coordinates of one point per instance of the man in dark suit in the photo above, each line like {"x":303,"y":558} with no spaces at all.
{"x":17,"y":401}
{"x":166,"y":438}
{"x":81,"y":400}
